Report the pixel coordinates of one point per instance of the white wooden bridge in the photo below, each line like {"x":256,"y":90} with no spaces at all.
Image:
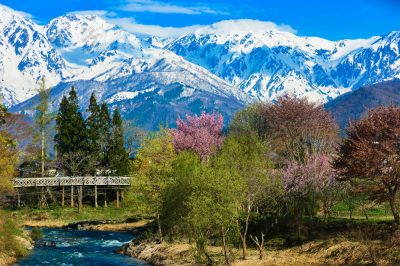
{"x":114,"y":182}
{"x":72,"y":181}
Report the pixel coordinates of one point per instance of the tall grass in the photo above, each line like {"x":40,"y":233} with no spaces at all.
{"x":9,"y":231}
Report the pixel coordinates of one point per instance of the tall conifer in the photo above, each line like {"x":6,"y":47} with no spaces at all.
{"x":93,"y":123}
{"x":105,"y":136}
{"x":119,"y":158}
{"x":71,"y":133}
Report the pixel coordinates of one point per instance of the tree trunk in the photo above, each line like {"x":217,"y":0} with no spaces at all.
{"x":117,"y":198}
{"x":105,"y":198}
{"x":243,"y":236}
{"x":42,"y":138}
{"x":79,"y":199}
{"x":72,"y":196}
{"x":18,"y":198}
{"x":63,"y":196}
{"x":160,"y":236}
{"x":226,"y":255}
{"x":95,"y":196}
{"x":393,"y":207}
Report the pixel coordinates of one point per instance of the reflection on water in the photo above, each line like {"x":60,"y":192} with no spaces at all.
{"x":75,"y":247}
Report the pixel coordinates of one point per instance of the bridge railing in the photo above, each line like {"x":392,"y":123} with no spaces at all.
{"x":72,"y":181}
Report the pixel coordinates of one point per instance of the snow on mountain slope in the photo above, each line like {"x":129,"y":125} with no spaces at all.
{"x":244,"y":59}
{"x":267,"y":63}
{"x":85,"y":47}
{"x":25,"y":56}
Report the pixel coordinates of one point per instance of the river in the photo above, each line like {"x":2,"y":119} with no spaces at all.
{"x":80,"y":247}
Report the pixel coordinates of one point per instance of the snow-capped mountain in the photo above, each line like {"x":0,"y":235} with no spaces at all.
{"x":25,"y":56}
{"x":267,"y":63}
{"x":89,"y":48}
{"x":224,"y":65}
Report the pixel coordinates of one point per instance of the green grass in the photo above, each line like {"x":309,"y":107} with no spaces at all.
{"x":71,"y":214}
{"x":9,"y":231}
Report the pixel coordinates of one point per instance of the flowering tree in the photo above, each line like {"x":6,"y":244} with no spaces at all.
{"x":315,"y":177}
{"x":200,"y":134}
{"x":369,"y":156}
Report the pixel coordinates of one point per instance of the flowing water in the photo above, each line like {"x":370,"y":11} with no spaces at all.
{"x":80,"y":247}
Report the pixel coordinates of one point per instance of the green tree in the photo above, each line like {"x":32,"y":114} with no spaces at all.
{"x":8,"y":155}
{"x":153,"y":173}
{"x":118,"y":156}
{"x":71,"y":135}
{"x":3,"y":111}
{"x":93,"y":123}
{"x":246,"y":158}
{"x":105,"y":136}
{"x":43,"y":119}
{"x":201,"y":203}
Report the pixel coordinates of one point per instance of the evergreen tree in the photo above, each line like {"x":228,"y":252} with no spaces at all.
{"x":93,"y":123}
{"x":105,"y":136}
{"x":3,"y":112}
{"x":43,"y":119}
{"x":71,"y":136}
{"x":119,"y":158}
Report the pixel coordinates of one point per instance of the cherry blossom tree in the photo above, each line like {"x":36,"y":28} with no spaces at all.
{"x":200,"y":134}
{"x":315,"y":177}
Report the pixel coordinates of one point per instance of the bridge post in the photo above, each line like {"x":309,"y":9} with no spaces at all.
{"x":72,"y":196}
{"x":79,"y":198}
{"x":117,"y":198}
{"x":95,"y":196}
{"x":18,"y":198}
{"x":105,"y":197}
{"x":62,"y":196}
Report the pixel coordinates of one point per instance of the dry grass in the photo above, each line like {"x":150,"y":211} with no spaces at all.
{"x":119,"y":226}
{"x":334,"y":251}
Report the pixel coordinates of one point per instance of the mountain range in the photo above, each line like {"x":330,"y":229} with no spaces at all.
{"x":220,"y":67}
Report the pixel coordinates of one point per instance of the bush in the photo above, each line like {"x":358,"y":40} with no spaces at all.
{"x":36,"y":233}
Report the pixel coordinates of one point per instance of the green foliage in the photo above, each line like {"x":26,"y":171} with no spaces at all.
{"x":93,"y":123}
{"x":3,"y":112}
{"x":36,"y":233}
{"x":8,"y":161}
{"x":118,"y":156}
{"x":43,"y":117}
{"x":9,"y":231}
{"x":250,"y":120}
{"x":105,"y":136}
{"x":153,"y":170}
{"x":71,"y":131}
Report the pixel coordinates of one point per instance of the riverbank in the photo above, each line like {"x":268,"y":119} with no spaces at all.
{"x":14,"y":242}
{"x":95,"y":219}
{"x":330,"y":252}
{"x":376,"y":244}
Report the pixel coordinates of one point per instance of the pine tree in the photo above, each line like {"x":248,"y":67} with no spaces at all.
{"x":71,"y":136}
{"x":119,"y":158}
{"x":93,"y":123}
{"x":105,"y":136}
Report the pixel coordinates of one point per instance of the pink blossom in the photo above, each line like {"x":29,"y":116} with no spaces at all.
{"x":201,"y":134}
{"x":316,"y":174}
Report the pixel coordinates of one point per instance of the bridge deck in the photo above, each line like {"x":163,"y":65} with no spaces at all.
{"x":72,"y":181}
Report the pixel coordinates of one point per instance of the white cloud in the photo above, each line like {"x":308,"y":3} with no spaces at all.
{"x":100,"y":13}
{"x":21,"y":13}
{"x":153,"y":6}
{"x":245,"y":25}
{"x":130,"y":25}
{"x":225,"y":26}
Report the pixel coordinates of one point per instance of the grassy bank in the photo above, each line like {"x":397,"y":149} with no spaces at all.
{"x":353,"y":243}
{"x":58,"y":217}
{"x":14,"y":242}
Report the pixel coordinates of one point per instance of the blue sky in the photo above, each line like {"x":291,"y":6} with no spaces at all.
{"x":332,"y":20}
